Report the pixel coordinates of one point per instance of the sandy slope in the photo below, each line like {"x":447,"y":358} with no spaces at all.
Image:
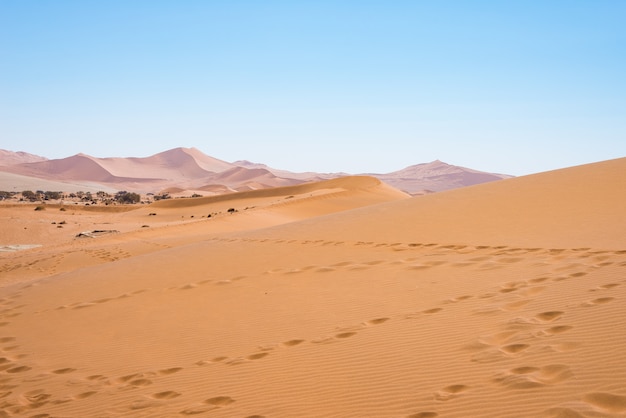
{"x":500,"y":300}
{"x":17,"y":183}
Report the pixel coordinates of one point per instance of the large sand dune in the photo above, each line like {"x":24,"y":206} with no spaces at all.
{"x":340,"y":299}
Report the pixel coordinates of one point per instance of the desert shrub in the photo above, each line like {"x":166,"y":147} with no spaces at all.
{"x":29,"y":195}
{"x":127,"y":197}
{"x":62,"y":209}
{"x":53,"y":195}
{"x":6,"y":195}
{"x":232,"y":210}
{"x":40,"y":207}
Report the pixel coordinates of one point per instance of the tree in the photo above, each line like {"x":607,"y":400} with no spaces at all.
{"x":127,"y":197}
{"x":6,"y":195}
{"x":53,"y":195}
{"x":30,"y":195}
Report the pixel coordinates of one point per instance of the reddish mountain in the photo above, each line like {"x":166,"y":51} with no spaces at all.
{"x":188,"y":169}
{"x":12,"y":158}
{"x":436,"y":176}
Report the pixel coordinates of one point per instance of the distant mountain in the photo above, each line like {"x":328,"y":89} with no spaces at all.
{"x":182,"y":169}
{"x":436,"y":176}
{"x":12,"y":158}
{"x":306,"y":176}
{"x":185,"y":170}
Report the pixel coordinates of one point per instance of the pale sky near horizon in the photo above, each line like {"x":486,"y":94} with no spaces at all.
{"x":327,"y":86}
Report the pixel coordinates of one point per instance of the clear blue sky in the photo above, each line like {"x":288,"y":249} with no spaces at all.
{"x":355,"y":86}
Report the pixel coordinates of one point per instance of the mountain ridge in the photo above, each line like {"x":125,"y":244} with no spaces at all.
{"x":189,"y":169}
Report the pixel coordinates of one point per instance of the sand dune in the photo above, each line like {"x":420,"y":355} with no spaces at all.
{"x":190,"y":171}
{"x":574,"y":207}
{"x":179,"y":220}
{"x":436,"y":176}
{"x":336,"y":299}
{"x":11,"y":158}
{"x":18,"y":183}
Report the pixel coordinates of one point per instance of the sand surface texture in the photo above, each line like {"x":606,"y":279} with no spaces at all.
{"x":341,"y":299}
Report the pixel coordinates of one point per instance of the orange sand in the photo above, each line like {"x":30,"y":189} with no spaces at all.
{"x":340,"y":299}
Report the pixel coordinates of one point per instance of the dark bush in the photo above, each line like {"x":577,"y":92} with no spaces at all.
{"x":127,"y":197}
{"x":29,"y":195}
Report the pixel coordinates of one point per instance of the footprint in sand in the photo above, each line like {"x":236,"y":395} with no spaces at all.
{"x":137,"y":379}
{"x":18,"y":369}
{"x":513,"y":349}
{"x":257,"y":356}
{"x":497,"y":338}
{"x":188,"y":286}
{"x":143,"y":404}
{"x":64,"y":370}
{"x":169,"y":371}
{"x":459,"y":298}
{"x":493,"y":347}
{"x":514,"y":306}
{"x":525,"y":377}
{"x":377,"y":321}
{"x":450,"y":392}
{"x":168,"y":394}
{"x":10,"y":348}
{"x":208,"y":405}
{"x":220,"y":401}
{"x":598,"y":301}
{"x":557,"y":329}
{"x":432,"y":311}
{"x":35,"y":396}
{"x":85,"y":395}
{"x":549,"y":316}
{"x":140,"y":382}
{"x":345,"y":334}
{"x":236,"y":361}
{"x":292,"y":343}
{"x":512,"y":287}
{"x":418,"y":267}
{"x":564,"y":347}
{"x":607,"y":401}
{"x":606,"y":286}
{"x":533,"y":291}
